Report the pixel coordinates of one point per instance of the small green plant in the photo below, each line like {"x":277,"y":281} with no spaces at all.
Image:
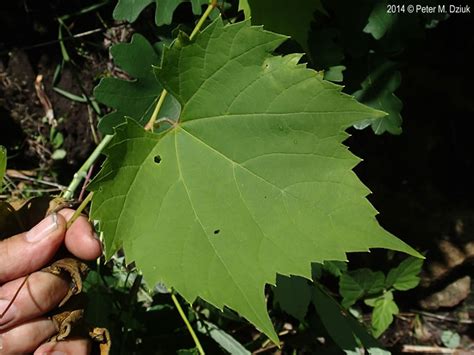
{"x":450,"y":339}
{"x":376,"y":290}
{"x":56,"y":139}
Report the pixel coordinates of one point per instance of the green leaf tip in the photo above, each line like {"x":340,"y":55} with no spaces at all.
{"x":252,"y":181}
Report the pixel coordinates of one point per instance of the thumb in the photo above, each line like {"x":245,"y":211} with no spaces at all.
{"x":27,"y":252}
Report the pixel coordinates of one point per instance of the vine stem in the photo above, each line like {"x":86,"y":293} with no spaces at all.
{"x":188,"y":325}
{"x":82,"y":172}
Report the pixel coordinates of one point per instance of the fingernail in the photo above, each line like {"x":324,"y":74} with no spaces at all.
{"x":43,"y":229}
{"x":1,"y":342}
{"x":10,"y":313}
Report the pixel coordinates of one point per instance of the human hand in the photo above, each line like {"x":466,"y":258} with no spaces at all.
{"x":24,"y":326}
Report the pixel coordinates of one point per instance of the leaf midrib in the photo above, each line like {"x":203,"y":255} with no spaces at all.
{"x":204,"y":230}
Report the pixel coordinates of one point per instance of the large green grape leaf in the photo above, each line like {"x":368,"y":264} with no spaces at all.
{"x":290,"y":17}
{"x":134,"y":98}
{"x":253,"y":179}
{"x":130,"y":9}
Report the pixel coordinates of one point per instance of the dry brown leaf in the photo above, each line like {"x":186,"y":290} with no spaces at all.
{"x":73,"y":268}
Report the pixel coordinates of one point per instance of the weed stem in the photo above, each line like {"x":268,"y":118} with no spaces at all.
{"x":188,"y":325}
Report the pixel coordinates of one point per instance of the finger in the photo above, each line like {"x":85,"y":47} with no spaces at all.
{"x":30,"y":251}
{"x":81,"y":240}
{"x":41,"y":293}
{"x":73,"y":347}
{"x":26,"y":337}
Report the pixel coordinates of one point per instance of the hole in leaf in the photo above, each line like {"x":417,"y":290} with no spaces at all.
{"x":217,"y":231}
{"x":157,"y":159}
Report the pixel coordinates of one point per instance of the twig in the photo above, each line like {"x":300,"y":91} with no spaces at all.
{"x":44,"y":100}
{"x":265,"y":344}
{"x":443,"y":318}
{"x":95,"y":137}
{"x":17,"y":175}
{"x":262,"y":350}
{"x":41,"y":191}
{"x":426,"y":349}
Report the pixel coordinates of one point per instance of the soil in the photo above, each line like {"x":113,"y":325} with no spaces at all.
{"x":22,"y":61}
{"x":24,"y":109}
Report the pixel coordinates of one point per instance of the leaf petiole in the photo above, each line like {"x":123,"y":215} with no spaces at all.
{"x":210,"y":7}
{"x":79,"y":210}
{"x":153,"y":119}
{"x":151,"y":123}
